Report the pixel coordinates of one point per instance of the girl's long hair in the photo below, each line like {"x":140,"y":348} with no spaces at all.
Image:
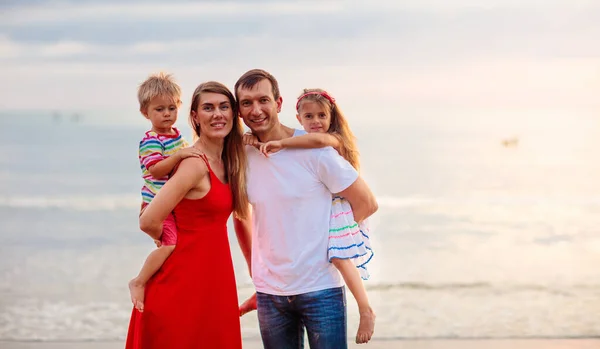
{"x":234,"y":155}
{"x":339,"y":125}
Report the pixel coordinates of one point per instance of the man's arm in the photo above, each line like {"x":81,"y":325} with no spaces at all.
{"x":243,"y":231}
{"x":342,"y":179}
{"x":361,"y":199}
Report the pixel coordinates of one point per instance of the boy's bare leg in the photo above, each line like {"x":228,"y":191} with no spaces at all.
{"x":349,"y":272}
{"x":154,"y":261}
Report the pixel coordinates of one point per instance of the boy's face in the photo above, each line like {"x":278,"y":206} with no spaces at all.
{"x":162,"y":113}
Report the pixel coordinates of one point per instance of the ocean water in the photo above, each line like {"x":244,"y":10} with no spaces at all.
{"x":473,"y":239}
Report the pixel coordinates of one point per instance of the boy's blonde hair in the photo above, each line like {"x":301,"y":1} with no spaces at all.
{"x":160,"y":84}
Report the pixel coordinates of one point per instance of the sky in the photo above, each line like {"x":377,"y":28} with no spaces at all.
{"x":92,"y":54}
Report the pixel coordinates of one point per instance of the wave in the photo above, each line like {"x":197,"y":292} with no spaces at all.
{"x":415,"y":201}
{"x":474,"y":286}
{"x":413,"y":315}
{"x":398,"y":202}
{"x":109,"y":202}
{"x":485,"y":287}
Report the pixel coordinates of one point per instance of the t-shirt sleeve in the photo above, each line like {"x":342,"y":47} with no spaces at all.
{"x":334,"y":171}
{"x":151,"y":151}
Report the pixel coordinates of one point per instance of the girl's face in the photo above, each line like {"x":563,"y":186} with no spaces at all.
{"x":314,"y":117}
{"x":214,"y":115}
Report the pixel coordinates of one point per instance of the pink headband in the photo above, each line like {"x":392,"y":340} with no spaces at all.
{"x":324,"y":94}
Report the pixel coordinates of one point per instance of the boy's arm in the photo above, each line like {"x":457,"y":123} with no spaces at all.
{"x":166,"y":166}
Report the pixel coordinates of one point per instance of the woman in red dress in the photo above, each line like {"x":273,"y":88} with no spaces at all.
{"x":191,"y":302}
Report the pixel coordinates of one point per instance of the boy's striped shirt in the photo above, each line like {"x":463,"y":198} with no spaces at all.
{"x":154,"y":148}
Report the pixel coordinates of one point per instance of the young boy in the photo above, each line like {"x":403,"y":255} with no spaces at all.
{"x":161,"y":149}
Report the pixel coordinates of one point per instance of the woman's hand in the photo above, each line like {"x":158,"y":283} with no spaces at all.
{"x":249,"y":305}
{"x":271,"y":147}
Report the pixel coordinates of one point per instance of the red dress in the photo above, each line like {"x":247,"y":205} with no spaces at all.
{"x":191,"y":302}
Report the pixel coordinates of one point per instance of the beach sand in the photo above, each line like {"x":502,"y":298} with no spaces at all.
{"x":375,"y":344}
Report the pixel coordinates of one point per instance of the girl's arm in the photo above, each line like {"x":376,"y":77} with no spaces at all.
{"x":251,"y":139}
{"x":187,"y":176}
{"x":307,"y":141}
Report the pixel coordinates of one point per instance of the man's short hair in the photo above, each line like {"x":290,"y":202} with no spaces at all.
{"x":253,"y":77}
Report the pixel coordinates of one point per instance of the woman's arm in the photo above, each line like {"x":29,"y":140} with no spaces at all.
{"x":307,"y":141}
{"x":243,"y":231}
{"x":186,"y":177}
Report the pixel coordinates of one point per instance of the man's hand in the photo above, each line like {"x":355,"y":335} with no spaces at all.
{"x":157,"y":243}
{"x":188,"y":152}
{"x":249,"y":305}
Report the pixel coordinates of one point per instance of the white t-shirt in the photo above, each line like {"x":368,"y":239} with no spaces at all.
{"x":290,"y":192}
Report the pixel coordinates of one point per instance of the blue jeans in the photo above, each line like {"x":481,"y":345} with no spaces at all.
{"x":282,"y":319}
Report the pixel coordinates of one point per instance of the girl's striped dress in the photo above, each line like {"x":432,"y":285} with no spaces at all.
{"x":348,"y":239}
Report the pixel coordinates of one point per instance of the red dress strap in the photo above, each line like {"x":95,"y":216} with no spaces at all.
{"x":205,"y":158}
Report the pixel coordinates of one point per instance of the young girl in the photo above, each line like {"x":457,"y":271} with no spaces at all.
{"x":349,"y":247}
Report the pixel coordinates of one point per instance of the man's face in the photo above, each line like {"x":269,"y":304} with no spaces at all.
{"x":258,"y":107}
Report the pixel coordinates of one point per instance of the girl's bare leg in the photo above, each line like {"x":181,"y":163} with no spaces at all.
{"x":352,"y":278}
{"x":154,"y":261}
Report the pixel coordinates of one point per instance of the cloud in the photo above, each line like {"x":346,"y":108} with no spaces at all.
{"x":158,"y":12}
{"x":15,"y":51}
{"x":428,"y":52}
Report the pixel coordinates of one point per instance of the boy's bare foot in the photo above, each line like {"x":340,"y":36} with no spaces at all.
{"x":136,"y":290}
{"x":366,"y":326}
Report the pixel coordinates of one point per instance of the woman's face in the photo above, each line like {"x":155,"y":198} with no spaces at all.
{"x":214,"y":115}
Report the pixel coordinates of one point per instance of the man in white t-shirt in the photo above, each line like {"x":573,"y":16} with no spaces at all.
{"x":291,"y":194}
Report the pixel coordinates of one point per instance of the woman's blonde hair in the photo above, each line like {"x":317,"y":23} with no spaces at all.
{"x":339,"y":126}
{"x":234,"y":155}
